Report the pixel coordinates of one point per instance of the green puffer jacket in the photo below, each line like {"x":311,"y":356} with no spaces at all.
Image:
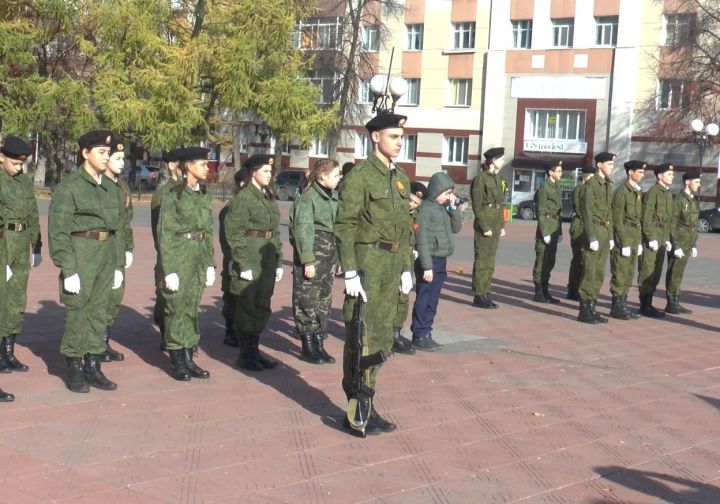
{"x":436,"y":223}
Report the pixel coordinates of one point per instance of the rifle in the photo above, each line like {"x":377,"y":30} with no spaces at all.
{"x":360,"y":403}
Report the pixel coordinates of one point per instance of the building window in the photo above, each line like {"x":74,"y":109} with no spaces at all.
{"x":460,"y":92}
{"x":414,"y":40}
{"x":320,"y":148}
{"x":327,"y":81}
{"x":286,"y":147}
{"x":606,"y":31}
{"x":672,"y":94}
{"x":563,"y":32}
{"x":365,"y":95}
{"x":412,"y":97}
{"x":242,"y":140}
{"x":679,"y":29}
{"x":455,"y":150}
{"x":318,"y":33}
{"x":371,"y":38}
{"x":363,"y":145}
{"x":522,"y":34}
{"x":409,"y":148}
{"x":463,"y":35}
{"x":544,"y":124}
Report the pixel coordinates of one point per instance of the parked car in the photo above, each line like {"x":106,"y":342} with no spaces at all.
{"x":146,"y":176}
{"x":527,"y":210}
{"x":708,"y":220}
{"x":288,"y":184}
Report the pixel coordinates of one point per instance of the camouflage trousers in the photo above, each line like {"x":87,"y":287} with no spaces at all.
{"x":312,"y":297}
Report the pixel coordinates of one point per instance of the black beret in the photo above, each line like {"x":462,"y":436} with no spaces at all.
{"x":663,"y":168}
{"x":116,"y":146}
{"x":95,"y":138}
{"x":385,"y":121}
{"x":257,"y":160}
{"x":588,"y":169}
{"x":550,"y":165}
{"x":691,"y":176}
{"x":634,"y":164}
{"x":170,"y":156}
{"x":419,"y":187}
{"x":604,"y":157}
{"x":494,"y":153}
{"x":15,"y":148}
{"x":191,"y":153}
{"x":240,"y":174}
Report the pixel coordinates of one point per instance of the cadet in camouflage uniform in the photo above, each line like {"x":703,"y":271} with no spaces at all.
{"x":251,"y":229}
{"x":656,"y":218}
{"x":577,"y":235}
{"x":373,"y":230}
{"x":185,"y":235}
{"x":549,"y":231}
{"x":83,"y":218}
{"x":312,"y":226}
{"x":123,"y":241}
{"x":21,"y":226}
{"x":488,"y":195}
{"x":626,"y":215}
{"x":683,"y":236}
{"x":598,"y":228}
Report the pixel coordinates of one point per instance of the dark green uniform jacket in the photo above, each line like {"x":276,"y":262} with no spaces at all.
{"x":683,"y":230}
{"x":626,"y":214}
{"x":18,"y":205}
{"x":656,"y":214}
{"x":549,"y":206}
{"x":436,"y":224}
{"x":596,"y":207}
{"x":576,"y":226}
{"x":488,"y":195}
{"x":314,"y":210}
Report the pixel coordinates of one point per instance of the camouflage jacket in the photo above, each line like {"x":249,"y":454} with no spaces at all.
{"x":549,"y":208}
{"x":314,"y":210}
{"x":657,"y":214}
{"x":683,"y":228}
{"x":18,"y":205}
{"x":626,"y":213}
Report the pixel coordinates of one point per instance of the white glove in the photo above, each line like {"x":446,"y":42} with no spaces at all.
{"x":668,"y":246}
{"x":128,"y":259}
{"x":693,"y":252}
{"x":415,"y":254}
{"x":35,"y":260}
{"x":594,"y":245}
{"x":72,"y":284}
{"x":639,"y":250}
{"x":209,"y":276}
{"x":546,"y":239}
{"x":625,"y":251}
{"x":117,"y":280}
{"x":278,"y":274}
{"x":406,"y":282}
{"x":679,"y":253}
{"x":612,"y":244}
{"x":353,"y":286}
{"x":172,"y":282}
{"x":8,"y":273}
{"x":246,"y":275}
{"x":653,"y":245}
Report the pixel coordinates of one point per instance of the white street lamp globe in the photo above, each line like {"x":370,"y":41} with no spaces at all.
{"x":712,"y":129}
{"x":377,"y":84}
{"x":398,"y":87}
{"x":697,"y":125}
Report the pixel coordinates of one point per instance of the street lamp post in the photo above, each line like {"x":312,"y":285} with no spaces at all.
{"x":703,"y":136}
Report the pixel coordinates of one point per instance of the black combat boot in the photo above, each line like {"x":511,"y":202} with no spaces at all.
{"x":8,"y":353}
{"x":230,"y":337}
{"x":585,"y":314}
{"x":484,"y":301}
{"x":4,"y":368}
{"x":546,"y":293}
{"x":539,"y":294}
{"x":382,"y":424}
{"x":680,"y":308}
{"x":194,"y":370}
{"x":599,"y":317}
{"x":94,"y":375}
{"x":573,"y":294}
{"x":265,"y":361}
{"x":76,"y":381}
{"x":320,"y":346}
{"x":6,"y":396}
{"x":309,"y":351}
{"x":647,"y":309}
{"x":248,"y":357}
{"x":401,"y":344}
{"x":617,"y":310}
{"x":178,"y":368}
{"x":110,"y":354}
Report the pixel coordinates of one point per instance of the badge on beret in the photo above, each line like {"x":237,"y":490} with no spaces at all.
{"x":108,"y":140}
{"x":120,"y":147}
{"x":271,"y":161}
{"x":400,"y":186}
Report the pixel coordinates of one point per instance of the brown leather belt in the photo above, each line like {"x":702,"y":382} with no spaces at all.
{"x":552,"y":216}
{"x":259,"y":234}
{"x":492,"y":205}
{"x":192,"y":235}
{"x":602,"y":223}
{"x":16,"y":226}
{"x":93,"y":235}
{"x":391,"y":247}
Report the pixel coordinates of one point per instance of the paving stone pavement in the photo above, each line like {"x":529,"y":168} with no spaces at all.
{"x":524,"y":404}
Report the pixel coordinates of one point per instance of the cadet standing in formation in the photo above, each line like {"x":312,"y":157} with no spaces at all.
{"x":656,"y":215}
{"x":488,"y":195}
{"x":627,"y":229}
{"x":251,"y":229}
{"x":21,"y":226}
{"x":373,"y":229}
{"x":83,"y":218}
{"x":185,"y":235}
{"x":683,"y":236}
{"x":598,"y":228}
{"x":549,"y":231}
{"x":577,"y":235}
{"x":228,"y":298}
